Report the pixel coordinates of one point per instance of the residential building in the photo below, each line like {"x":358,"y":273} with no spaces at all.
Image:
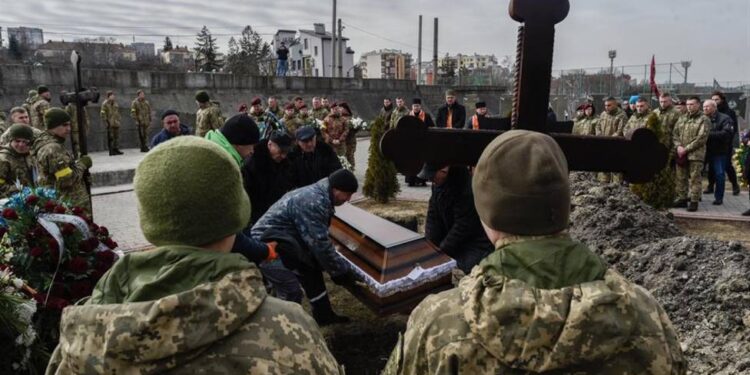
{"x":471,"y":62}
{"x":91,"y":53}
{"x":27,"y":37}
{"x":311,"y":53}
{"x":178,"y":56}
{"x":386,"y":64}
{"x":144,"y":50}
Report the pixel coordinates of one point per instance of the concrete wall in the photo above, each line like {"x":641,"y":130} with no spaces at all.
{"x":176,"y":90}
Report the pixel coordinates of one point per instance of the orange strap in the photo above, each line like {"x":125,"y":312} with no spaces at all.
{"x":449,"y":121}
{"x":475,"y":122}
{"x":272,"y":251}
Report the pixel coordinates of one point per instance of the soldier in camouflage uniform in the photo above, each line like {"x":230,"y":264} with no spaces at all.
{"x":318,"y":111}
{"x":266,"y":121}
{"x":3,"y":122}
{"x":335,"y":130}
{"x":399,"y":112}
{"x":275,"y":108}
{"x":189,"y":306}
{"x":18,"y":115}
{"x":351,"y":136}
{"x":586,"y":123}
{"x":55,"y":165}
{"x":72,"y":110}
{"x":110,"y":115}
{"x":611,"y":123}
{"x":640,"y":117}
{"x":291,"y":122}
{"x":39,"y":107}
{"x":689,"y":138}
{"x":668,"y":114}
{"x":208,"y":116}
{"x":140,"y":112}
{"x":542,"y":302}
{"x":30,"y":100}
{"x":15,"y":162}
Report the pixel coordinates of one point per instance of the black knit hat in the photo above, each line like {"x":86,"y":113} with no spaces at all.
{"x":481,"y":105}
{"x":343,"y":180}
{"x":21,"y":131}
{"x":282,"y":139}
{"x":416,"y":101}
{"x":202,"y":97}
{"x":42,"y":89}
{"x":241,"y":130}
{"x":169,"y":112}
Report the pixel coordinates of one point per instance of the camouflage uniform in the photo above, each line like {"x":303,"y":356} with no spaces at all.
{"x":585,"y":125}
{"x":691,"y":132}
{"x":72,"y":110}
{"x":278,"y":112}
{"x":292,"y":123}
{"x":320,"y":113}
{"x":58,"y":169}
{"x":512,"y":315}
{"x":5,"y":137}
{"x":217,"y":321}
{"x":396,"y":115}
{"x":267,"y":123}
{"x":110,"y":114}
{"x":206,"y":119}
{"x":3,"y":122}
{"x":351,"y":142}
{"x":637,"y":121}
{"x":611,"y":125}
{"x":14,"y":167}
{"x":668,"y":119}
{"x":29,"y":102}
{"x":37,"y":113}
{"x":140,"y":112}
{"x":336,"y":128}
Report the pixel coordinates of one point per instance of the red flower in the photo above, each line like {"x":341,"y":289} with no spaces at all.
{"x":10,"y":214}
{"x":36,"y":251}
{"x":68,"y":228}
{"x":94,"y":228}
{"x":59,"y":209}
{"x":77,"y":265}
{"x":32,"y":199}
{"x":88,"y":245}
{"x":77,"y":211}
{"x":52,"y":244}
{"x":106,"y":257}
{"x":103,"y":231}
{"x":110,"y":243}
{"x":50,"y":205}
{"x":55,"y":303}
{"x":80,"y":289}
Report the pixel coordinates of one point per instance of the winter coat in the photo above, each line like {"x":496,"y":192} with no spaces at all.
{"x":719,"y":135}
{"x":306,"y":214}
{"x":164,"y":135}
{"x":724,"y":108}
{"x":452,"y":222}
{"x":310,"y":167}
{"x":186,"y":310}
{"x":458,"y":116}
{"x":217,"y":137}
{"x":539,"y":305}
{"x":265,"y":180}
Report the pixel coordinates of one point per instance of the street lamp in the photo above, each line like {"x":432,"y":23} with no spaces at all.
{"x":686,"y":65}
{"x":612,"y":55}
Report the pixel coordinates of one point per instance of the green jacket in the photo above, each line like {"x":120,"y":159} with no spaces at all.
{"x":668,"y":118}
{"x":637,"y":121}
{"x":206,"y":119}
{"x":110,"y":113}
{"x":217,"y":137}
{"x":56,"y":168}
{"x":186,"y":310}
{"x":14,"y":167}
{"x":611,"y":124}
{"x":691,"y":132}
{"x":140,"y":111}
{"x":539,"y":305}
{"x":396,"y":115}
{"x":585,"y":125}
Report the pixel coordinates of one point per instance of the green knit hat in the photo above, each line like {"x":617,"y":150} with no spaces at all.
{"x":521,"y":184}
{"x":202,"y":97}
{"x":21,"y":131}
{"x":190,"y":192}
{"x":55,"y":117}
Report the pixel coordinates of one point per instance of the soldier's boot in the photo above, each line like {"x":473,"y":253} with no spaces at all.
{"x":110,"y":147}
{"x":746,"y":213}
{"x":692,"y":206}
{"x":735,"y":189}
{"x":680,"y":203}
{"x":116,"y":141}
{"x":323,"y":312}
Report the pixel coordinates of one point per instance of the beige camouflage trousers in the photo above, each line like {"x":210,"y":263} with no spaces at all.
{"x":689,"y":178}
{"x":609,"y":177}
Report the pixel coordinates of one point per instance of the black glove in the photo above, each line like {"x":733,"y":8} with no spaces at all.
{"x":346,"y":279}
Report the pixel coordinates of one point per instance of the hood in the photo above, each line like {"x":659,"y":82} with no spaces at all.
{"x":544,"y":329}
{"x":156,"y":335}
{"x":215,"y":136}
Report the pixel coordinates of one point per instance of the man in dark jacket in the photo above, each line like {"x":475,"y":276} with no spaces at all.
{"x":451,"y":115}
{"x":172,"y":127}
{"x":452,"y":221}
{"x":268,"y":173}
{"x":723,"y":107}
{"x":311,"y":160}
{"x":717,"y":147}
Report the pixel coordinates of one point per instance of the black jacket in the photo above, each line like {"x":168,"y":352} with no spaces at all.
{"x":720,"y":136}
{"x":458,"y":118}
{"x":724,"y":108}
{"x":266,"y":181}
{"x":452,"y":221}
{"x":309,"y":168}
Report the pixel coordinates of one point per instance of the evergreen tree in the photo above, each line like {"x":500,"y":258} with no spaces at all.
{"x":249,"y":54}
{"x":659,"y":193}
{"x":167,"y":45}
{"x":381,"y":183}
{"x":206,"y":51}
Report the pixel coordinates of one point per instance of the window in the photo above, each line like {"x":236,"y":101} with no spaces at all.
{"x":305,"y":43}
{"x":316,"y":72}
{"x":316,"y":50}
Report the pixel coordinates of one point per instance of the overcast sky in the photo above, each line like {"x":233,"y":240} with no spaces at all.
{"x":714,"y":35}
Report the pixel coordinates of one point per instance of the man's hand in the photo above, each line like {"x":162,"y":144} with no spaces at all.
{"x":85,"y":160}
{"x":681,"y":151}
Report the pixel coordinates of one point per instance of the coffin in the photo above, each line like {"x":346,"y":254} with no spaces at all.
{"x":398,"y":266}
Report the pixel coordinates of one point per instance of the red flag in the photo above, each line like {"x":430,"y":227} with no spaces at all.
{"x":652,"y":81}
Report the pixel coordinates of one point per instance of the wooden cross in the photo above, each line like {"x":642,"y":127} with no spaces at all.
{"x":639,"y":155}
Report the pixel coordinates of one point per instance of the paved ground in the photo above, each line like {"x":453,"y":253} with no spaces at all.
{"x":733,"y":206}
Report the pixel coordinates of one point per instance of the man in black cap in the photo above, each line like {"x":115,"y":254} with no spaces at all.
{"x":238,"y":136}
{"x":171,"y":127}
{"x":311,"y":160}
{"x":268,"y":174}
{"x":301,"y":218}
{"x":473,"y":123}
{"x":452,"y":114}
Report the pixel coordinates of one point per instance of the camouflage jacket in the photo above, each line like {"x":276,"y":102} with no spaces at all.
{"x":637,"y":121}
{"x":668,"y":118}
{"x":30,"y":100}
{"x":56,"y":168}
{"x":585,"y":125}
{"x":40,"y":106}
{"x":306,"y":213}
{"x":73,"y":112}
{"x":544,"y":305}
{"x":267,"y":123}
{"x":320,"y":113}
{"x":186,"y":310}
{"x":396,"y":115}
{"x":5,"y":137}
{"x":140,"y":111}
{"x":336,"y":128}
{"x":278,"y":112}
{"x":110,"y":113}
{"x":611,"y":125}
{"x":292,"y":123}
{"x":206,"y":119}
{"x":691,"y":132}
{"x":14,"y":167}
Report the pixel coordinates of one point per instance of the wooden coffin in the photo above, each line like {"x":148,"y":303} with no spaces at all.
{"x":399,"y":267}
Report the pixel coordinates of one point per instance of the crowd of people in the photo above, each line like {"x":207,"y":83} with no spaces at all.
{"x":701,"y":135}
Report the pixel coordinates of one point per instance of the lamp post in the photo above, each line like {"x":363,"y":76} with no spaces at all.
{"x":686,"y":66}
{"x":612,"y":55}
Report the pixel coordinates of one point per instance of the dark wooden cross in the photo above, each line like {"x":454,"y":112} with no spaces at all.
{"x":639,"y":155}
